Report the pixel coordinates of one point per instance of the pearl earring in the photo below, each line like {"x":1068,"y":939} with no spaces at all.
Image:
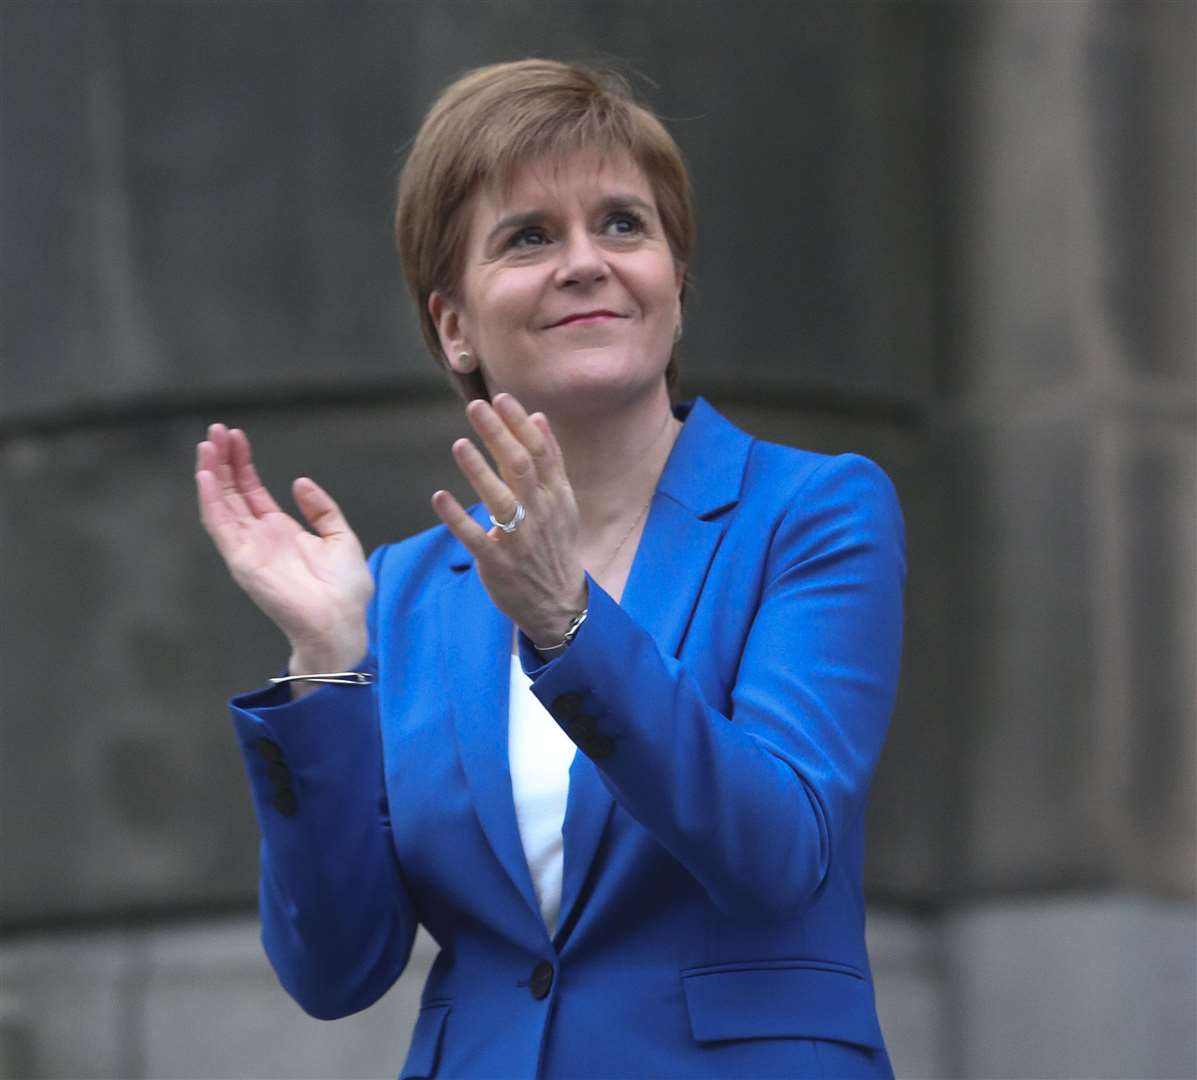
{"x":465,"y":360}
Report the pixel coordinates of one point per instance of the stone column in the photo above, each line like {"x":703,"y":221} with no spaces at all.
{"x":1066,"y":433}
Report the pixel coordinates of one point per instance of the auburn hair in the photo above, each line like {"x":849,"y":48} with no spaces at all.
{"x":487,"y":125}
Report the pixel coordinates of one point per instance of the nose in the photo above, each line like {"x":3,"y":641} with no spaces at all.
{"x":583,"y":262}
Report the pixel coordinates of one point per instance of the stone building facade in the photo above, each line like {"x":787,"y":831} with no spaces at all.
{"x":958,"y":238}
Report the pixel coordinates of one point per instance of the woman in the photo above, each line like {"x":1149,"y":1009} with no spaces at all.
{"x":607,"y":735}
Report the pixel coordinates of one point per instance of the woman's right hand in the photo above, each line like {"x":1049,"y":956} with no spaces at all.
{"x":314,"y":586}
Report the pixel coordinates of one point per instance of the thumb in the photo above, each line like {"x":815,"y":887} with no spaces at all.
{"x":318,"y":508}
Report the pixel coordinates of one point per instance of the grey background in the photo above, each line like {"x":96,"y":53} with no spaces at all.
{"x":957,"y":237}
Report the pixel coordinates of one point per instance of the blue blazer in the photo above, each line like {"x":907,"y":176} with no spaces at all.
{"x":728,"y":713}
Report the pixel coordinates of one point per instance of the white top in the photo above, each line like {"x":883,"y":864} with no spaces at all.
{"x":539,"y":755}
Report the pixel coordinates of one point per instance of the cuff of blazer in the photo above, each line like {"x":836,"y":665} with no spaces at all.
{"x":531,"y":660}
{"x":564,"y":685}
{"x":307,"y":727}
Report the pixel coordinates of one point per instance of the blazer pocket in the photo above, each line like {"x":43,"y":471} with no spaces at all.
{"x":426,"y":1038}
{"x":805,"y":999}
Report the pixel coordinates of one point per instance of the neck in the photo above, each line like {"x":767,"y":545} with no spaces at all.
{"x":615,"y":458}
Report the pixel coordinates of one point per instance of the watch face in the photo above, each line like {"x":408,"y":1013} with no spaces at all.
{"x":571,"y":632}
{"x":574,"y":626}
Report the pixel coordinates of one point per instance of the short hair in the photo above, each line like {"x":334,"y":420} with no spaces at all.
{"x":483,"y":129}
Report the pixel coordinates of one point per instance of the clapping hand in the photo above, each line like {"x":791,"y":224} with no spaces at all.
{"x":314,"y":586}
{"x":534,"y":573}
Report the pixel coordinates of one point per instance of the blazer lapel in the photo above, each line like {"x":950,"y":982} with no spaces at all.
{"x":476,"y":647}
{"x":701,"y":481}
{"x":684,"y":528}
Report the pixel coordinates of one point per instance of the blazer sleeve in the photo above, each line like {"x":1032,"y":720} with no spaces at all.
{"x":337,"y":922}
{"x":753,"y":802}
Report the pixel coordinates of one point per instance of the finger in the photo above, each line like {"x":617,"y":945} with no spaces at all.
{"x":218,"y":436}
{"x":217,"y":519}
{"x":245,"y":475}
{"x":512,"y":457}
{"x":552,"y":447}
{"x":557,"y":469}
{"x":513,"y":414}
{"x":494,"y":493}
{"x":207,"y":459}
{"x":319,"y":508}
{"x":459,"y":523}
{"x":537,"y":439}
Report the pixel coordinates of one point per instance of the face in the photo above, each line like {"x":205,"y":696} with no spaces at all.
{"x":570,"y":295}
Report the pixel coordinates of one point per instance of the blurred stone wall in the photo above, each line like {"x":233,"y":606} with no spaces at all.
{"x":956,"y":237}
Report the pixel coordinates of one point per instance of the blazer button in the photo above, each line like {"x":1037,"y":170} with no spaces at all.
{"x":270,"y":750}
{"x":583,"y":729}
{"x":279,"y":774}
{"x":598,"y":747}
{"x":284,"y":802}
{"x":567,"y":704}
{"x":542,"y":980}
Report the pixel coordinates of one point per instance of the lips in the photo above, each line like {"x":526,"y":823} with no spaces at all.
{"x":585,"y":316}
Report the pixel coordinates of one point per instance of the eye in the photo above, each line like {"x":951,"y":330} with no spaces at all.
{"x":623,"y":223}
{"x":528,"y":236}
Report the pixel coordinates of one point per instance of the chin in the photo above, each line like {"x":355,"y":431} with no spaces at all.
{"x":585,"y":381}
{"x":589,"y":393}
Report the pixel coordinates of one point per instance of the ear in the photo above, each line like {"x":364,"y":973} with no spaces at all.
{"x":679,"y":277}
{"x":454,"y":342}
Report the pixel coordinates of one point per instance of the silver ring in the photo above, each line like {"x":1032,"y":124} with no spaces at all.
{"x":516,"y":518}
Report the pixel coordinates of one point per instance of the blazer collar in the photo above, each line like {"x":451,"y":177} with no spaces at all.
{"x":705,"y":470}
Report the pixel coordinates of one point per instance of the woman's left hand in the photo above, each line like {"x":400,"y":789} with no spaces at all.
{"x":534,"y":574}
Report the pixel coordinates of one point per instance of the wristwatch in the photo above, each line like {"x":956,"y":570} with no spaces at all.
{"x":571,"y":631}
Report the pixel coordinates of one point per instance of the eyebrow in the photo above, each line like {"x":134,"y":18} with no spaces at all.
{"x":615,"y":201}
